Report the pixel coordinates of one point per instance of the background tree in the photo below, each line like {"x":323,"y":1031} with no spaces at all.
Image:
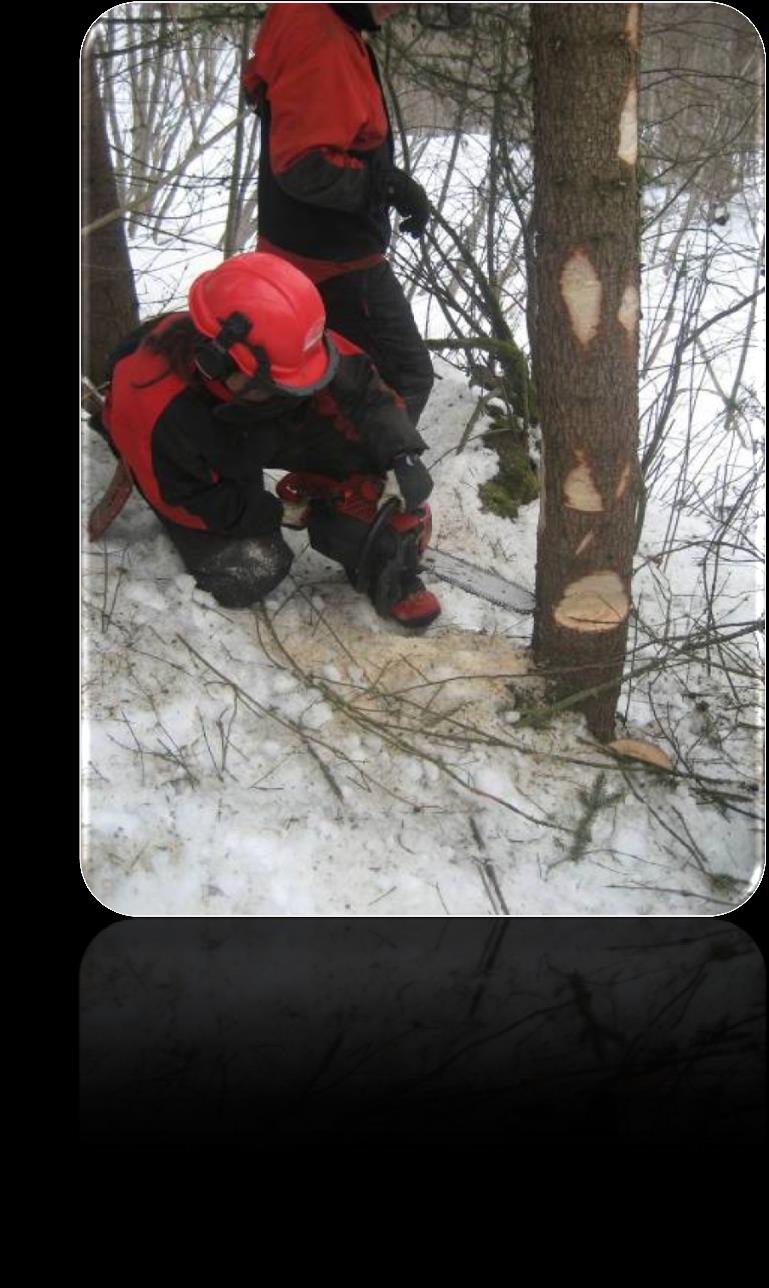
{"x":109,"y":305}
{"x":183,"y":142}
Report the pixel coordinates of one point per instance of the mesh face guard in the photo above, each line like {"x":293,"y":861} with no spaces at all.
{"x":215,"y":362}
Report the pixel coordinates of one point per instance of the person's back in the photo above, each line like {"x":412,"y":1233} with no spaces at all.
{"x":327,"y":179}
{"x":325,"y":141}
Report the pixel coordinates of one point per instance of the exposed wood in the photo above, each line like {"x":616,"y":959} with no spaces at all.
{"x":586,"y":221}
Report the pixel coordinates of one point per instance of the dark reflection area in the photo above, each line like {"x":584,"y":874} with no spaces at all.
{"x":273,"y":1032}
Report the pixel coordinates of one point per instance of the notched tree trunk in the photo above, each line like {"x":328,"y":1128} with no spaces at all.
{"x":586,"y":68}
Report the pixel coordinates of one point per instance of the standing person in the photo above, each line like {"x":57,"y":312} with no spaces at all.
{"x":327,"y":179}
{"x":199,"y":404}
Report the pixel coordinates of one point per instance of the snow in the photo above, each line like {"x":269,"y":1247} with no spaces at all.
{"x":307,"y":759}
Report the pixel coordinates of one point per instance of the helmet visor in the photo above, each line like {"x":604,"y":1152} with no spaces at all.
{"x":317,"y":370}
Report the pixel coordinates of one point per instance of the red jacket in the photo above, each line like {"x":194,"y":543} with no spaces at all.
{"x":198,"y":457}
{"x":326,"y":138}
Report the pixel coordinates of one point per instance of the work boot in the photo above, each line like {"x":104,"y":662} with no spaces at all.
{"x":418,"y":607}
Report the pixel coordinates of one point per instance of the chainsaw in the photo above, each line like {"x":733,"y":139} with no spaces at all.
{"x":298,"y":487}
{"x":477,"y":581}
{"x":458,"y":572}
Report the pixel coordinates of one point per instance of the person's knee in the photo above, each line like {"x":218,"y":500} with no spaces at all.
{"x":245,"y":573}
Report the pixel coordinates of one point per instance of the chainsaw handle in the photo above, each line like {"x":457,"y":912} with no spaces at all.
{"x":391,"y":505}
{"x":299,"y":487}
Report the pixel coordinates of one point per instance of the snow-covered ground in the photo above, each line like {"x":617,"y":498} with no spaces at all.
{"x":307,"y":758}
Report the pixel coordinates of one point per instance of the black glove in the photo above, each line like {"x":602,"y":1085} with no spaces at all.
{"x":409,"y":480}
{"x":410,"y":199}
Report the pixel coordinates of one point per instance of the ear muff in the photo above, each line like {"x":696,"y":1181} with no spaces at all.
{"x":213,"y":357}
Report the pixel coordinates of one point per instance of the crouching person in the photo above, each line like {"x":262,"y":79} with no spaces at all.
{"x":201,"y":403}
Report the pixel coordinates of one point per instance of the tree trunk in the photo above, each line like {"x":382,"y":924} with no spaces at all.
{"x":587,"y":221}
{"x":109,"y":305}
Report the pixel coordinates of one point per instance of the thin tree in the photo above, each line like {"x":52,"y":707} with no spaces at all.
{"x":586,"y":220}
{"x":109,"y":305}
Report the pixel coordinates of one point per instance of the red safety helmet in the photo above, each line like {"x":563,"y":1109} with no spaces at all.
{"x":263,"y":317}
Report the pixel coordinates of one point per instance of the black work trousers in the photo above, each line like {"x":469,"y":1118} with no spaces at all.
{"x":239,"y":571}
{"x":368,"y":306}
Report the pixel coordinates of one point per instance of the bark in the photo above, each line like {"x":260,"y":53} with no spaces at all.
{"x":233,"y":241}
{"x":108,"y":296}
{"x":586,"y":220}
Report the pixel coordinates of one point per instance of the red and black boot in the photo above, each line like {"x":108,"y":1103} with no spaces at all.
{"x":397,"y":591}
{"x":418,"y":607}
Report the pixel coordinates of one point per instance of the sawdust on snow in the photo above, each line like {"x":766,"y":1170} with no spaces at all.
{"x":442,"y":671}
